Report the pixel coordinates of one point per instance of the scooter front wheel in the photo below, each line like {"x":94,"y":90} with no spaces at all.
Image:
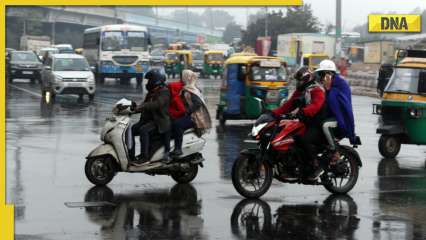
{"x":100,"y":170}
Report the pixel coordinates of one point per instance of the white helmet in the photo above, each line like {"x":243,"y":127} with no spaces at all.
{"x":326,"y":65}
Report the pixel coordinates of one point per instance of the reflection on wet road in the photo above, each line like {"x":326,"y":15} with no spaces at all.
{"x":47,"y":145}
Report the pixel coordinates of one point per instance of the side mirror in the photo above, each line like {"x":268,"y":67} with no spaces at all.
{"x":47,"y":68}
{"x":421,"y":88}
{"x":92,"y":68}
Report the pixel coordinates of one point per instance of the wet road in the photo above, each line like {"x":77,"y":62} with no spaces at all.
{"x":47,"y":145}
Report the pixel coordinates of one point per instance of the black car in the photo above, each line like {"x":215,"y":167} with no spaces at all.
{"x":23,"y":64}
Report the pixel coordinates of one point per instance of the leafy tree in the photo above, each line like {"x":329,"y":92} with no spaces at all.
{"x":232,"y":31}
{"x":296,"y":20}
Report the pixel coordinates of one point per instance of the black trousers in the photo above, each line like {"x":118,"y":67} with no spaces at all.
{"x":144,"y":131}
{"x":307,"y":142}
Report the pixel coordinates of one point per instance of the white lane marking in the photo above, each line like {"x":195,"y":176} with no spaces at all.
{"x":26,"y":90}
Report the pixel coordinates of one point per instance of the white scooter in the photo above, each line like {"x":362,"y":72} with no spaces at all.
{"x":113,"y":155}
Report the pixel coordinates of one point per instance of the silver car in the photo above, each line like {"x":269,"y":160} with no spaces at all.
{"x":67,"y":74}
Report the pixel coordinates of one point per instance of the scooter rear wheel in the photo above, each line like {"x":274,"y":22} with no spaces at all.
{"x":99,"y":170}
{"x":186,"y":176}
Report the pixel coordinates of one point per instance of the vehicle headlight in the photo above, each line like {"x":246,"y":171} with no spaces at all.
{"x":91,"y":79}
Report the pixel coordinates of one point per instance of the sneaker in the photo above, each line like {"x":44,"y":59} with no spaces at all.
{"x":139,"y":161}
{"x":166,"y":159}
{"x":316,"y":174}
{"x":176,"y":153}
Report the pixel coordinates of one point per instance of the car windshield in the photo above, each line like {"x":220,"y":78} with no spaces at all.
{"x":24,"y":57}
{"x":70,"y":64}
{"x":268,"y":73}
{"x":404,"y":80}
{"x":171,"y":56}
{"x":197,"y":55}
{"x":65,"y":50}
{"x":215,"y":57}
{"x":157,"y":53}
{"x":317,"y":60}
{"x":51,"y":51}
{"x":112,"y":41}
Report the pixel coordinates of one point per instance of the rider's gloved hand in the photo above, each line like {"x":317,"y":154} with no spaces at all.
{"x":301,"y":116}
{"x":133,"y":106}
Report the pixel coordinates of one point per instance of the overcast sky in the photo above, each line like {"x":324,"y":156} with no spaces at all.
{"x":354,"y":12}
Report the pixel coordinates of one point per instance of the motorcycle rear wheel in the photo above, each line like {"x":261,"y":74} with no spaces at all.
{"x":331,"y":182}
{"x":247,"y":172}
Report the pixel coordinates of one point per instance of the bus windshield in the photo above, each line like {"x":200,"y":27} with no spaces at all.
{"x":112,"y":41}
{"x":268,"y":73}
{"x":136,"y":41}
{"x":404,"y":80}
{"x":117,"y":40}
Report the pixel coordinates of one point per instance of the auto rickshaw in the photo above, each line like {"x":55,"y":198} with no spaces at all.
{"x":213,"y":63}
{"x":312,"y":60}
{"x":251,"y":85}
{"x":171,"y":60}
{"x":402,"y":114}
{"x":185,"y":60}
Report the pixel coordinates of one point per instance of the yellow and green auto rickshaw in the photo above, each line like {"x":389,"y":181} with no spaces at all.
{"x":312,"y":60}
{"x":403,"y":107}
{"x":185,"y":60}
{"x":213,"y":63}
{"x":171,"y":60}
{"x":251,"y":85}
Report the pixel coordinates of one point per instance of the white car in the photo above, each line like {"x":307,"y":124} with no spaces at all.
{"x":67,"y":74}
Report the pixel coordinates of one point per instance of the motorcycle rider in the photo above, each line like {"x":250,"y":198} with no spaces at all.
{"x":154,"y":117}
{"x":339,"y":106}
{"x":309,"y":99}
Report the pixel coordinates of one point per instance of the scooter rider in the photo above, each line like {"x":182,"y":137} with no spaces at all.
{"x":309,"y":99}
{"x":154,"y":117}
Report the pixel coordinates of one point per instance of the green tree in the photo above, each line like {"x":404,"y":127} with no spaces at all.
{"x":295,"y":20}
{"x":231,"y":32}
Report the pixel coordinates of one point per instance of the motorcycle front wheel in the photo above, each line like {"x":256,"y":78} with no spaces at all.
{"x":251,"y":178}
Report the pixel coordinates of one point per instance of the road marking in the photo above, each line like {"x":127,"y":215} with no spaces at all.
{"x":26,"y":90}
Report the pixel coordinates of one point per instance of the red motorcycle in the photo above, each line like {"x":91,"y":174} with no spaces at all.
{"x":277,"y":156}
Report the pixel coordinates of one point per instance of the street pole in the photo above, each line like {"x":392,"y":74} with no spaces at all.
{"x":337,"y":49}
{"x":266,"y":21}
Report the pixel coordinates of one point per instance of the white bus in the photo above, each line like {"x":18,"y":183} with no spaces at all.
{"x":117,"y":51}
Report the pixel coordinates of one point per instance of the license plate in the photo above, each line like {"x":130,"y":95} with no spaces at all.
{"x":75,"y":84}
{"x":27,"y":72}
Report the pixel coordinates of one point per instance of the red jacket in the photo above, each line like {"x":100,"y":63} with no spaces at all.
{"x":315,"y":97}
{"x":176,"y":107}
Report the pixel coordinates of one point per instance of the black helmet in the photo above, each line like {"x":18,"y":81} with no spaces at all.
{"x":303,"y":74}
{"x":303,"y":78}
{"x":155,"y":79}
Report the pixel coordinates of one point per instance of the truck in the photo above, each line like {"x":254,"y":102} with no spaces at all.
{"x":291,"y":47}
{"x":34,"y":43}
